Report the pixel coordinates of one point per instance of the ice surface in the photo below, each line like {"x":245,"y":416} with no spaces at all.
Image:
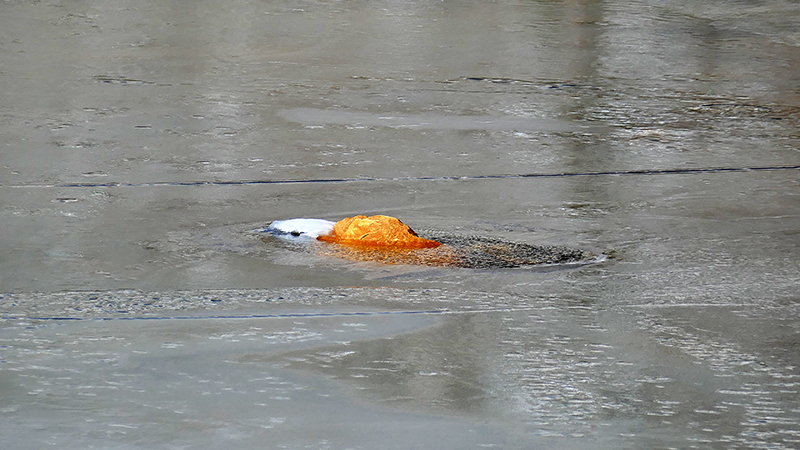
{"x":141,"y":143}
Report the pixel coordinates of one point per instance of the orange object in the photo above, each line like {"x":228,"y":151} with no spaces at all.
{"x":376,"y":231}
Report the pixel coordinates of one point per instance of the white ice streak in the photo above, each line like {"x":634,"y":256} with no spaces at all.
{"x":300,"y":228}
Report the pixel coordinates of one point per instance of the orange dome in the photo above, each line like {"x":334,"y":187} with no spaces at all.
{"x":378,"y":231}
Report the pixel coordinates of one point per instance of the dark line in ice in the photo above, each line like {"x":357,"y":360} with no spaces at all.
{"x":269,"y":316}
{"x":232,"y":316}
{"x":431,"y":178}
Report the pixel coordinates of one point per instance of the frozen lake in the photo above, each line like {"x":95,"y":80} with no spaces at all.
{"x":142,"y":142}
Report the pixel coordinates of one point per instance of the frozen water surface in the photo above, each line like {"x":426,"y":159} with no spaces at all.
{"x":141,"y":143}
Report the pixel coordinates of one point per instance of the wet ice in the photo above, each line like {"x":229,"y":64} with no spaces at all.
{"x":142,"y":144}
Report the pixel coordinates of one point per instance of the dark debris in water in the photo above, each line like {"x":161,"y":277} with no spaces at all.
{"x":483,"y":252}
{"x":119,"y":80}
